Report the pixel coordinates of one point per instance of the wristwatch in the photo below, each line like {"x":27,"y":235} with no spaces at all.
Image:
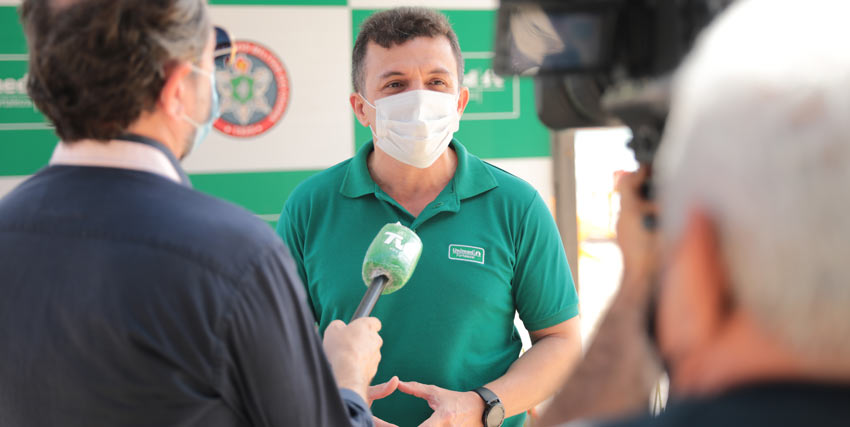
{"x":494,"y":412}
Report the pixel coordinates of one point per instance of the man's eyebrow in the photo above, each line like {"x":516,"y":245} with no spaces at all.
{"x":440,"y":70}
{"x":391,"y":73}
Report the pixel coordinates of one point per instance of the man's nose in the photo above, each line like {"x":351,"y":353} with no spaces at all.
{"x":417,"y":83}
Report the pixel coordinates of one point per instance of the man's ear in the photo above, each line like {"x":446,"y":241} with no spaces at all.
{"x":695,"y":297}
{"x":173,"y":93}
{"x":462,"y":100}
{"x":359,"y":106}
{"x":715,"y":286}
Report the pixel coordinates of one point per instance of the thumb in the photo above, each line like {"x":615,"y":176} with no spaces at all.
{"x":381,"y":391}
{"x":414,"y":388}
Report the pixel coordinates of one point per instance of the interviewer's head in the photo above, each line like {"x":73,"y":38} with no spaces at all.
{"x":753,"y":173}
{"x":99,"y":66}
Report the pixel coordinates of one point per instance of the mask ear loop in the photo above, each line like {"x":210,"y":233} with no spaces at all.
{"x":210,"y":75}
{"x":374,"y":132}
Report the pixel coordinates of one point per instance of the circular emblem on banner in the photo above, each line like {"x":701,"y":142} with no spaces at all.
{"x":254,"y":91}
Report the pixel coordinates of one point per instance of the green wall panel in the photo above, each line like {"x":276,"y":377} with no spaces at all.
{"x":26,"y":139}
{"x":25,"y":152}
{"x":11,"y":35}
{"x":262,"y":193}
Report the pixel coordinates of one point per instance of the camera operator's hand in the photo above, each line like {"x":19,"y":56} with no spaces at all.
{"x":637,"y":243}
{"x":620,"y":367}
{"x":353,"y":351}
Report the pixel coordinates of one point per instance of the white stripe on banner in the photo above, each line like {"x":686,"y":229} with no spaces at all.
{"x":25,"y":126}
{"x":434,"y":4}
{"x":14,"y":57}
{"x":10,"y":2}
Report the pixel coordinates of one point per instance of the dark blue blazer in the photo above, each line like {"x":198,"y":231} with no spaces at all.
{"x":127,"y":299}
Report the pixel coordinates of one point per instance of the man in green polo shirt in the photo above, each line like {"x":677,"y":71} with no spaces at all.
{"x":490,"y":245}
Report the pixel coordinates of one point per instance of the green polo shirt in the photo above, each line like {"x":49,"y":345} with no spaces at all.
{"x":490,"y":248}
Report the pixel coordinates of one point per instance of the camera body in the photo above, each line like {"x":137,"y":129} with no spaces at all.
{"x":601,"y":62}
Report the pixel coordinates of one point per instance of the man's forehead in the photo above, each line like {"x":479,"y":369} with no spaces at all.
{"x":434,"y":53}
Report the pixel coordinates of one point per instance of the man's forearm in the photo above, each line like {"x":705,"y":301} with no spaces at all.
{"x":537,"y":374}
{"x":617,"y":373}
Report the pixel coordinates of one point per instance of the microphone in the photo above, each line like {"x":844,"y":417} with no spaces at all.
{"x":388,"y":265}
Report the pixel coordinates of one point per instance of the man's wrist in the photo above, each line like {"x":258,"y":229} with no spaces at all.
{"x":356,"y":385}
{"x":476,"y":404}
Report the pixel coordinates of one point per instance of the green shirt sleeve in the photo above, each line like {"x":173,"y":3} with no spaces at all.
{"x":542,"y":286}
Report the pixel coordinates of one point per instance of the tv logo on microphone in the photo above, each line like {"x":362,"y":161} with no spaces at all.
{"x":394,"y":238}
{"x":466,"y":253}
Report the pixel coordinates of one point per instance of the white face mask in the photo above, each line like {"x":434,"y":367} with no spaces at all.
{"x":415,"y":127}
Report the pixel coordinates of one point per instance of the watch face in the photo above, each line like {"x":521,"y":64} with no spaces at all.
{"x":495,"y":416}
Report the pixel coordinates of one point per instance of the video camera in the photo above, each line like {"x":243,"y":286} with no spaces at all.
{"x":601,"y":62}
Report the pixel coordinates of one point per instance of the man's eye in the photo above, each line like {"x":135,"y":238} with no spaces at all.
{"x":438,"y":82}
{"x":393,"y":85}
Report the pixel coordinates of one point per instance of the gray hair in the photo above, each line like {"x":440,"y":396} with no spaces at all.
{"x":759,"y":138}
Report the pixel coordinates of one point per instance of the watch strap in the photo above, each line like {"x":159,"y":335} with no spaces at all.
{"x":491,"y":402}
{"x":489,"y":397}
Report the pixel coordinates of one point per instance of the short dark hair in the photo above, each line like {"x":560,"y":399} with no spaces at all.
{"x":396,"y":26}
{"x":96,"y":65}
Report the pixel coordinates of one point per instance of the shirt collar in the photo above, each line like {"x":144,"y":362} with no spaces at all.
{"x":115,"y":154}
{"x":472,"y":177}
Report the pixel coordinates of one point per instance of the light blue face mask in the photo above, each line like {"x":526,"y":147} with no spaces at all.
{"x":203,"y":129}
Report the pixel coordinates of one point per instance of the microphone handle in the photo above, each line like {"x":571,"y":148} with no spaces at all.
{"x":371,"y":298}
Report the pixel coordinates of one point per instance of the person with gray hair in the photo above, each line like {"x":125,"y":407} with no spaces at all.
{"x":752,"y":315}
{"x":127,"y":298}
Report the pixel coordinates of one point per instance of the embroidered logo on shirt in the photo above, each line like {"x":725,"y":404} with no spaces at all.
{"x":466,"y":253}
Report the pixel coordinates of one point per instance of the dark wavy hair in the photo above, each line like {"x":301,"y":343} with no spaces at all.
{"x":96,"y":65}
{"x":396,"y":26}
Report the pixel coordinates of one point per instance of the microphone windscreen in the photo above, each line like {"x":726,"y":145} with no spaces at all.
{"x":393,"y":253}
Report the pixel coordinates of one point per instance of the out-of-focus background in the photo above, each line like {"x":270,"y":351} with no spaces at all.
{"x":287,"y":116}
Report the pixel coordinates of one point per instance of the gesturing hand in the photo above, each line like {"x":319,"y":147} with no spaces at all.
{"x":381,"y":391}
{"x":451,"y":408}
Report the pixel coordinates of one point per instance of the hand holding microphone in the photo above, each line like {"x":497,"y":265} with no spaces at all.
{"x":353,"y":350}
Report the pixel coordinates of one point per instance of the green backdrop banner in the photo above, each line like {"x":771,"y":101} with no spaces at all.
{"x":286,"y":101}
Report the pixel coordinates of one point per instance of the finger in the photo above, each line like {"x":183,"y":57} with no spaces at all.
{"x":336,"y":324}
{"x":374,"y":324}
{"x":370,"y":323}
{"x":381,"y":391}
{"x":632,"y":197}
{"x":630,"y":184}
{"x":625,"y":182}
{"x":416,"y":389}
{"x":381,"y":423}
